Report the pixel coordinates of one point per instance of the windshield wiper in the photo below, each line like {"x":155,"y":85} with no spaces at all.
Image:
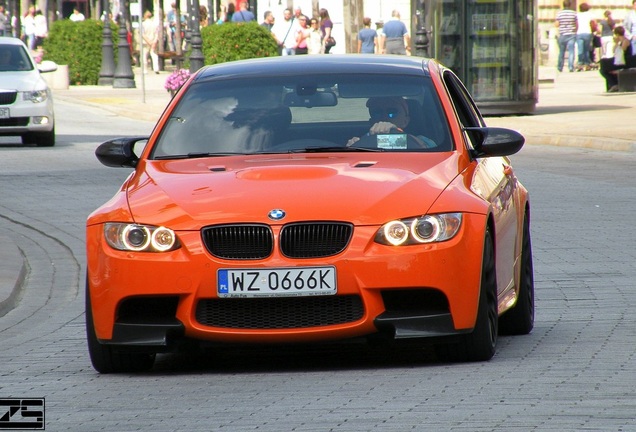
{"x":335,"y":149}
{"x":195,"y":155}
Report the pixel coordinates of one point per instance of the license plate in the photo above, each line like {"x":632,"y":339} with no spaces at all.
{"x":4,"y":113}
{"x":277,"y":282}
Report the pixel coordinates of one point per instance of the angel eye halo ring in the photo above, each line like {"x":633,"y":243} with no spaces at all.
{"x":140,"y":238}
{"x":420,"y":230}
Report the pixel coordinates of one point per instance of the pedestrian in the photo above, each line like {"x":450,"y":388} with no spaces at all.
{"x":244,"y":14}
{"x":231,"y":9}
{"x":150,"y":36}
{"x":41,"y":28}
{"x":584,"y":36}
{"x":302,"y":36}
{"x":396,"y":35}
{"x":566,"y":24}
{"x":607,"y":34}
{"x":326,"y":28}
{"x":285,"y":33}
{"x":4,"y":22}
{"x":77,"y":16}
{"x":203,"y":16}
{"x":367,"y":38}
{"x":610,"y":66}
{"x":268,"y":20}
{"x":314,"y":46}
{"x":379,"y":29}
{"x":28,"y":25}
{"x":630,"y":26}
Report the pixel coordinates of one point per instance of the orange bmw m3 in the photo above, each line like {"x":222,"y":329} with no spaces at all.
{"x":311,"y":199}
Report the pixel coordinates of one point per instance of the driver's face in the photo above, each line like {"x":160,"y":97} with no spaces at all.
{"x":394,"y":114}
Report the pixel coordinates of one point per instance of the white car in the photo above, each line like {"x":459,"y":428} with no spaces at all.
{"x":26,"y":103}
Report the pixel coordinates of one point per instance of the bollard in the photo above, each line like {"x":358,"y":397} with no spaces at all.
{"x":107,"y":71}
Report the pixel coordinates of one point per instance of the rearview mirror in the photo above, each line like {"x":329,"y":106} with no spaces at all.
{"x":318,"y":99}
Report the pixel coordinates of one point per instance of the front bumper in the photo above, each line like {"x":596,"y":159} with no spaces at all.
{"x":404,"y":292}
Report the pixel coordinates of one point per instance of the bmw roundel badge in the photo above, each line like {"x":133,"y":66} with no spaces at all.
{"x":276,"y":214}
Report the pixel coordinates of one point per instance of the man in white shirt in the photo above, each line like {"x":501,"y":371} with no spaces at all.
{"x":285,"y":33}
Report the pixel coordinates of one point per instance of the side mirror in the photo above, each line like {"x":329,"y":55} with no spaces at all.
{"x":119,"y":152}
{"x":47,"y":66}
{"x":494,"y":141}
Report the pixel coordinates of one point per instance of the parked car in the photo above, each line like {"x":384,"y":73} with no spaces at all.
{"x":293,"y":200}
{"x":26,"y":103}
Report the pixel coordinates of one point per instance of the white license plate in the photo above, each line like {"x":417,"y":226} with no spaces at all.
{"x":276,"y":282}
{"x":4,"y":113}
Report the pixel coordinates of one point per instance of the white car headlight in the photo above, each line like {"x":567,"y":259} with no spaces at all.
{"x":419,"y":230}
{"x":140,"y":238}
{"x":35,"y":96}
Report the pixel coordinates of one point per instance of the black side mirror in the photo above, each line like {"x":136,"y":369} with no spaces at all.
{"x":494,"y":141}
{"x":119,"y":152}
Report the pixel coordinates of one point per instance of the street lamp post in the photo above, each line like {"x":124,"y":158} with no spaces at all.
{"x":124,"y":77}
{"x":196,"y":55}
{"x":422,"y":42}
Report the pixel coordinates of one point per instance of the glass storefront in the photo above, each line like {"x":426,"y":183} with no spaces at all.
{"x":490,"y":44}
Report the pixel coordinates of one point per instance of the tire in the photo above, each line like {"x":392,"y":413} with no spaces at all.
{"x":481,"y":343}
{"x":106,"y":359}
{"x":41,"y":139}
{"x":520,"y":319}
{"x":28,"y":139}
{"x":45,"y":139}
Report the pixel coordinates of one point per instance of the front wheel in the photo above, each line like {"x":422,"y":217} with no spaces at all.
{"x":106,"y":359}
{"x":520,"y":319}
{"x":481,"y":343}
{"x":40,"y":139}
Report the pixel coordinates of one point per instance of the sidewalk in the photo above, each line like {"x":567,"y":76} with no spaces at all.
{"x":573,"y":110}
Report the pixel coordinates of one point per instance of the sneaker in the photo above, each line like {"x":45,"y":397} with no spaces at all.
{"x":613,"y":89}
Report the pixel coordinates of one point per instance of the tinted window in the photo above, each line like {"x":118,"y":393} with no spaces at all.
{"x":298,"y":113}
{"x":14,"y":58}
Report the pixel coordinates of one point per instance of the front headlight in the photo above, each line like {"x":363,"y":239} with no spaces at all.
{"x":140,"y":238}
{"x":36,"y":96}
{"x":419,"y":230}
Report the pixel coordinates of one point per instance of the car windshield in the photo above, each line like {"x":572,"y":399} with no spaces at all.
{"x":309,"y":113}
{"x":14,"y":58}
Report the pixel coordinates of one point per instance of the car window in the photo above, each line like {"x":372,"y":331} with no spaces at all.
{"x":14,"y":58}
{"x":304,"y":113}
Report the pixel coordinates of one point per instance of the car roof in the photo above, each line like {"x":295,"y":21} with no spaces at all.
{"x":4,"y":40}
{"x":319,"y":64}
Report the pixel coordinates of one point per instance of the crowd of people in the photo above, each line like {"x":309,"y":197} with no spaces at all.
{"x":599,"y":42}
{"x":32,"y":25}
{"x":296,"y":33}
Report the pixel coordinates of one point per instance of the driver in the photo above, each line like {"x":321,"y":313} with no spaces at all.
{"x":390,"y":114}
{"x":5,"y":56}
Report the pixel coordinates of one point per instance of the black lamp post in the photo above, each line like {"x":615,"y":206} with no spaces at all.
{"x":124,"y":77}
{"x":422,"y":41}
{"x":107,"y":72}
{"x":196,"y":55}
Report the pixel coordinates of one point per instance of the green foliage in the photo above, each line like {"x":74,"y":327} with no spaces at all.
{"x":236,"y":41}
{"x":78,"y":45}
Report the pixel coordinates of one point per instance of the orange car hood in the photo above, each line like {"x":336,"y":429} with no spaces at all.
{"x":363,"y":188}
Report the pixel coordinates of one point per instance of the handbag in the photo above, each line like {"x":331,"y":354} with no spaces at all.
{"x":330,"y":42}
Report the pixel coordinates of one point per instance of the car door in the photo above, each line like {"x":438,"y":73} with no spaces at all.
{"x":494,"y":181}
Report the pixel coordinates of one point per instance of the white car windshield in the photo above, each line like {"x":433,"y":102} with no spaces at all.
{"x":14,"y":58}
{"x":309,"y":113}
